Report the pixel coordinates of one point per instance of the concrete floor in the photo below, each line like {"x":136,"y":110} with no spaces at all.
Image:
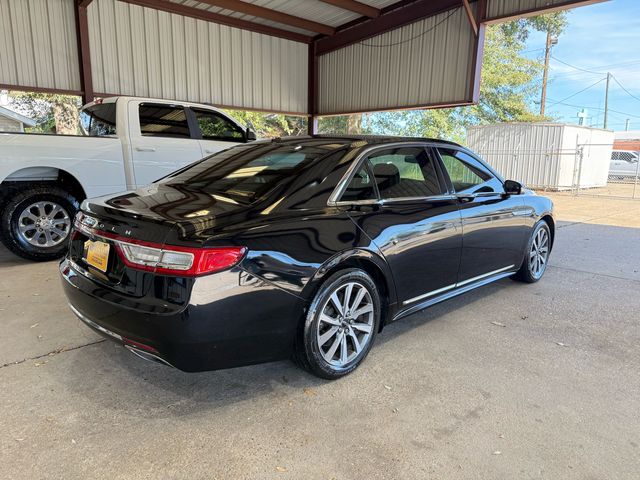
{"x":550,"y":390}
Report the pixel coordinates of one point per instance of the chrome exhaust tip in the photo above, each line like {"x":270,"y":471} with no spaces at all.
{"x":150,"y":357}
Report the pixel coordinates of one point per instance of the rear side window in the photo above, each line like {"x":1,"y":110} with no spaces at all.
{"x":246,"y":173}
{"x":99,"y":120}
{"x":406,"y":172}
{"x":361,"y":186}
{"x":464,"y":176}
{"x":157,"y":120}
{"x":216,"y":127}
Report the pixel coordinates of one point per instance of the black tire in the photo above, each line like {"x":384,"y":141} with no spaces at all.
{"x":309,"y":353}
{"x":14,"y":208}
{"x":527,"y":273}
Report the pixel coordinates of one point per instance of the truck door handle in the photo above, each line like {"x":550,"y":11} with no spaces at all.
{"x":207,"y":150}
{"x":146,"y":149}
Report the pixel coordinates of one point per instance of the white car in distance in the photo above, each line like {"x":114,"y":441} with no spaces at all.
{"x":127,"y":142}
{"x":624,"y":165}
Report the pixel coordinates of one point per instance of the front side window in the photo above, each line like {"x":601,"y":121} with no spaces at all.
{"x":99,"y":120}
{"x":464,"y":176}
{"x":405,"y":172}
{"x":216,"y":127}
{"x":157,"y":120}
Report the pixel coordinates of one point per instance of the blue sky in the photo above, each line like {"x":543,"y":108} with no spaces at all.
{"x":600,"y":38}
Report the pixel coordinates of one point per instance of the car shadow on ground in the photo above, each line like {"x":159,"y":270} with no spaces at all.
{"x":145,"y":389}
{"x":9,"y":259}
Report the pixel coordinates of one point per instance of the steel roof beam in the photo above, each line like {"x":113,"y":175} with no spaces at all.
{"x":356,"y":7}
{"x":200,"y":14}
{"x":270,"y":14}
{"x":404,"y":15}
{"x":470,"y":16}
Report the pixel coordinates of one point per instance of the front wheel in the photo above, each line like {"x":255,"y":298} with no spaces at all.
{"x":36,"y":222}
{"x":341,"y":325}
{"x":536,"y":255}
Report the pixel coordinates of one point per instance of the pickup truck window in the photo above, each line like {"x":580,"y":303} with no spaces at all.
{"x":216,"y":127}
{"x":99,"y":120}
{"x":158,"y":120}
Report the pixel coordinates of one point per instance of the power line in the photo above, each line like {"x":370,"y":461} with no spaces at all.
{"x":594,"y":108}
{"x":622,"y":87}
{"x":606,"y":66}
{"x":580,"y":91}
{"x":576,"y":68}
{"x":421,"y":34}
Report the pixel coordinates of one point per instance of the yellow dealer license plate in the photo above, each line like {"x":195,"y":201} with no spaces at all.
{"x":97,"y":254}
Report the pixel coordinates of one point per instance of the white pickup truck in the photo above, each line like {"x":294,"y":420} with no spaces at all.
{"x":127,"y":142}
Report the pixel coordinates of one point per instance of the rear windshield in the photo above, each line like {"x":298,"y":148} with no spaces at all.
{"x":99,"y":120}
{"x":246,"y":173}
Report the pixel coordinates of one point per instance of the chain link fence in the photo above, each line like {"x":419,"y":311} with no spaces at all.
{"x":585,"y":170}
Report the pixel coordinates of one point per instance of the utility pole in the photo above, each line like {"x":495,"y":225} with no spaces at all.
{"x":626,"y":125}
{"x":551,"y":41}
{"x":606,"y":102}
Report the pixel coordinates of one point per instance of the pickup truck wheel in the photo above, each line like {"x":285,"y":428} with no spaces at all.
{"x":35,"y":223}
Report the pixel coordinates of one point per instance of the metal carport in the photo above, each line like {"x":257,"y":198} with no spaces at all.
{"x":303,"y":57}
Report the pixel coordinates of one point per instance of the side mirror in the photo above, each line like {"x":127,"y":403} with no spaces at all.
{"x":511,"y":187}
{"x":250,"y":135}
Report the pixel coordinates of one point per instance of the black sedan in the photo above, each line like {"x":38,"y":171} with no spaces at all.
{"x":303,"y":247}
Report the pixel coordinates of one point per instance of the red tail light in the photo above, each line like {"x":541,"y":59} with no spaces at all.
{"x":174,"y":260}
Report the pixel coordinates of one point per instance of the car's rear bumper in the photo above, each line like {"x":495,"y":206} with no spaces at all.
{"x":230,"y":319}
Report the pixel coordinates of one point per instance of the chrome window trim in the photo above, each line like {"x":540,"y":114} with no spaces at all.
{"x":456,"y":285}
{"x":346,"y":178}
{"x":384,"y":201}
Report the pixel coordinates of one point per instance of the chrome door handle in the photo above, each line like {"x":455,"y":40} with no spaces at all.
{"x":146,"y":149}
{"x":469,"y":197}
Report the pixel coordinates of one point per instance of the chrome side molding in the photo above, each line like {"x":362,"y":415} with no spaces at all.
{"x":456,"y":285}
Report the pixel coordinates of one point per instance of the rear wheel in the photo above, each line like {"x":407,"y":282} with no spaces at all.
{"x":36,"y":222}
{"x":341,"y":325}
{"x":537,"y":254}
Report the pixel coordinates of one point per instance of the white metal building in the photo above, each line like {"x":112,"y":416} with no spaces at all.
{"x":546,"y":155}
{"x":307,"y":57}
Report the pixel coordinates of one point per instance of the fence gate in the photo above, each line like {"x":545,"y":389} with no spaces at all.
{"x":586,"y":169}
{"x":623,"y":176}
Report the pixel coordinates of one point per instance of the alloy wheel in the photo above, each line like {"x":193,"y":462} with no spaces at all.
{"x":539,"y":253}
{"x":44,"y":224}
{"x":345,"y":325}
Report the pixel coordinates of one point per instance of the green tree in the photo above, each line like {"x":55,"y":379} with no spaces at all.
{"x":271,"y":124}
{"x":53,"y":112}
{"x":510,"y":84}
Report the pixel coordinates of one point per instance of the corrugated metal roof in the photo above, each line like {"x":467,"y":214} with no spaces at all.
{"x":504,"y":8}
{"x":38,"y":45}
{"x":308,"y":9}
{"x":428,"y":62}
{"x":144,"y":52}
